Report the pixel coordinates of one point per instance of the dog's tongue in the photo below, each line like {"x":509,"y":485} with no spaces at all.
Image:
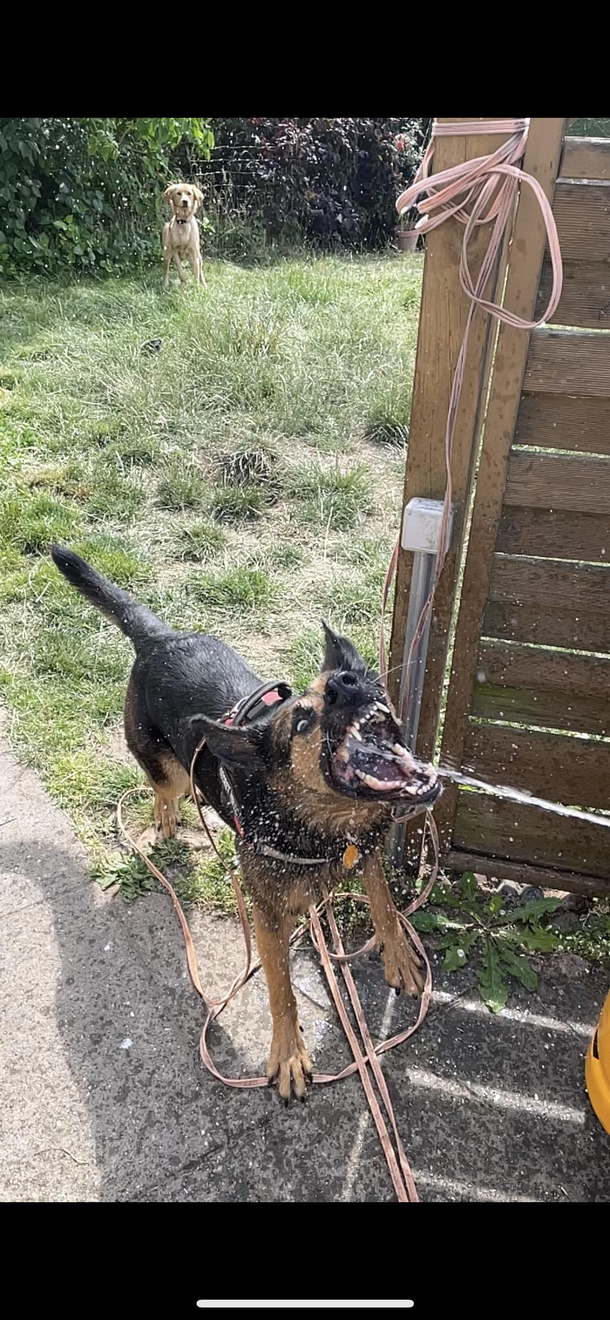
{"x":385,"y":765}
{"x":378,"y":768}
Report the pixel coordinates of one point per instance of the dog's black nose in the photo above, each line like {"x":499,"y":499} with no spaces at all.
{"x":344,"y":686}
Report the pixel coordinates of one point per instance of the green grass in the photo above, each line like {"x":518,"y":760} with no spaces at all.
{"x":201,"y":541}
{"x":332,"y":498}
{"x":235,"y":504}
{"x":235,"y":588}
{"x":250,"y":463}
{"x":180,"y":488}
{"x":246,"y":479}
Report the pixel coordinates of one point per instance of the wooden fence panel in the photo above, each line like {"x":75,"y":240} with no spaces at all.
{"x":560,"y":767}
{"x":560,"y":421}
{"x":555,"y":481}
{"x":528,"y":701}
{"x":565,"y":362}
{"x":549,"y":602}
{"x":515,"y":832}
{"x":585,"y":297}
{"x":582,"y":214}
{"x":585,"y":158}
{"x":534,"y":685}
{"x":554,"y":533}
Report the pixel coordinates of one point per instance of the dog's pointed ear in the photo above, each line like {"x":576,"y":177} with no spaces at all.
{"x":238,"y":747}
{"x":198,"y":196}
{"x":340,"y":653}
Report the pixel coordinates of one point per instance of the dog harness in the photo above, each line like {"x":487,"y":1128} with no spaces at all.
{"x":251,"y":708}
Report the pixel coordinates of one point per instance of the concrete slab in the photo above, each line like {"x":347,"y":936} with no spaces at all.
{"x":103,"y":1096}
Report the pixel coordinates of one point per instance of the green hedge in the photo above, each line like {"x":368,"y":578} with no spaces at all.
{"x":84,"y":195}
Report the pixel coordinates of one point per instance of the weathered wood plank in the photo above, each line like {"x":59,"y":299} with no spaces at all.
{"x":547,"y":877}
{"x":560,"y":421}
{"x":532,"y":706}
{"x":573,"y":771}
{"x":585,"y":158}
{"x":554,"y":533}
{"x":551,"y":584}
{"x":568,"y":362}
{"x":585,"y":297}
{"x":534,"y":685}
{"x":558,"y":481}
{"x":549,"y":603}
{"x":497,"y":828}
{"x":582,"y":215}
{"x":526,"y":255}
{"x":547,"y":627}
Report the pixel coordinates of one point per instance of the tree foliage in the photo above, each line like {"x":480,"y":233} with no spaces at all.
{"x":84,"y":195}
{"x":333,"y":182}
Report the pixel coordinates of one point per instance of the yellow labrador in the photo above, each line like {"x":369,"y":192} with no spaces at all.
{"x":180,"y":236}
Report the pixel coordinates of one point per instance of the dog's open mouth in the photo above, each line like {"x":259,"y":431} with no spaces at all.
{"x":371,"y":761}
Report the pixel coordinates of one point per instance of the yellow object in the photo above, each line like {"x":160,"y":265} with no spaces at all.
{"x":597,"y":1068}
{"x":350,"y":856}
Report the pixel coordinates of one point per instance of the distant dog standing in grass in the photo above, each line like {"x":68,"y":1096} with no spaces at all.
{"x":180,"y":237}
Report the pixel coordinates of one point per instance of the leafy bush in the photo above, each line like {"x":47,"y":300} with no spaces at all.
{"x":85,"y":195}
{"x":471,"y":926}
{"x":331,"y":181}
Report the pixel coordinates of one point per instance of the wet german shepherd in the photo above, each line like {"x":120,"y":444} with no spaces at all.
{"x":309,"y":782}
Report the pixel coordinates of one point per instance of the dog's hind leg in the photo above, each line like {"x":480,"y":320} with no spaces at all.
{"x":288,"y":1060}
{"x":165,"y":774}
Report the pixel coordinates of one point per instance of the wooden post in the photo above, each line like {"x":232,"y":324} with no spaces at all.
{"x":444,"y":310}
{"x":542,"y":157}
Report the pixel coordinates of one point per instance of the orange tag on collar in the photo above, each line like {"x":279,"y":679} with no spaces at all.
{"x":350,"y":856}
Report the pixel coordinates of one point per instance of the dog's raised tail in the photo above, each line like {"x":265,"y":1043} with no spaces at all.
{"x":135,"y":620}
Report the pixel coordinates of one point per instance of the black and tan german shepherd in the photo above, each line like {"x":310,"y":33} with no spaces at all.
{"x":308,"y":783}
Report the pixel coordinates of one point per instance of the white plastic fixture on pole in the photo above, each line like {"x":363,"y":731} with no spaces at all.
{"x":421,"y":531}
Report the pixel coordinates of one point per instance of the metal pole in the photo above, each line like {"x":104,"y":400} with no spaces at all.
{"x":420,"y":533}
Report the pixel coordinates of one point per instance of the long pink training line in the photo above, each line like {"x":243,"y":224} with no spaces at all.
{"x":475,"y":192}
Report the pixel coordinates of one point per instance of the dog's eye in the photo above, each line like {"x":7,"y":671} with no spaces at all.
{"x":303,"y":720}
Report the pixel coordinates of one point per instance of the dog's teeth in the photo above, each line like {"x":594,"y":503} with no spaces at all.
{"x":379,"y":706}
{"x":342,"y":754}
{"x":403,"y":755}
{"x":380,"y":785}
{"x":354,"y":732}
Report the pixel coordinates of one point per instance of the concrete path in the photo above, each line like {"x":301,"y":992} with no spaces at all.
{"x":103,"y":1097}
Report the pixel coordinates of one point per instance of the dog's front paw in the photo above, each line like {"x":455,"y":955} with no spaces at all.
{"x":289,"y":1062}
{"x":167,"y":817}
{"x":402,"y":966}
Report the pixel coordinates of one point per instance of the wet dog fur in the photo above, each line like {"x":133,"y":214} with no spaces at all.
{"x":318,"y":773}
